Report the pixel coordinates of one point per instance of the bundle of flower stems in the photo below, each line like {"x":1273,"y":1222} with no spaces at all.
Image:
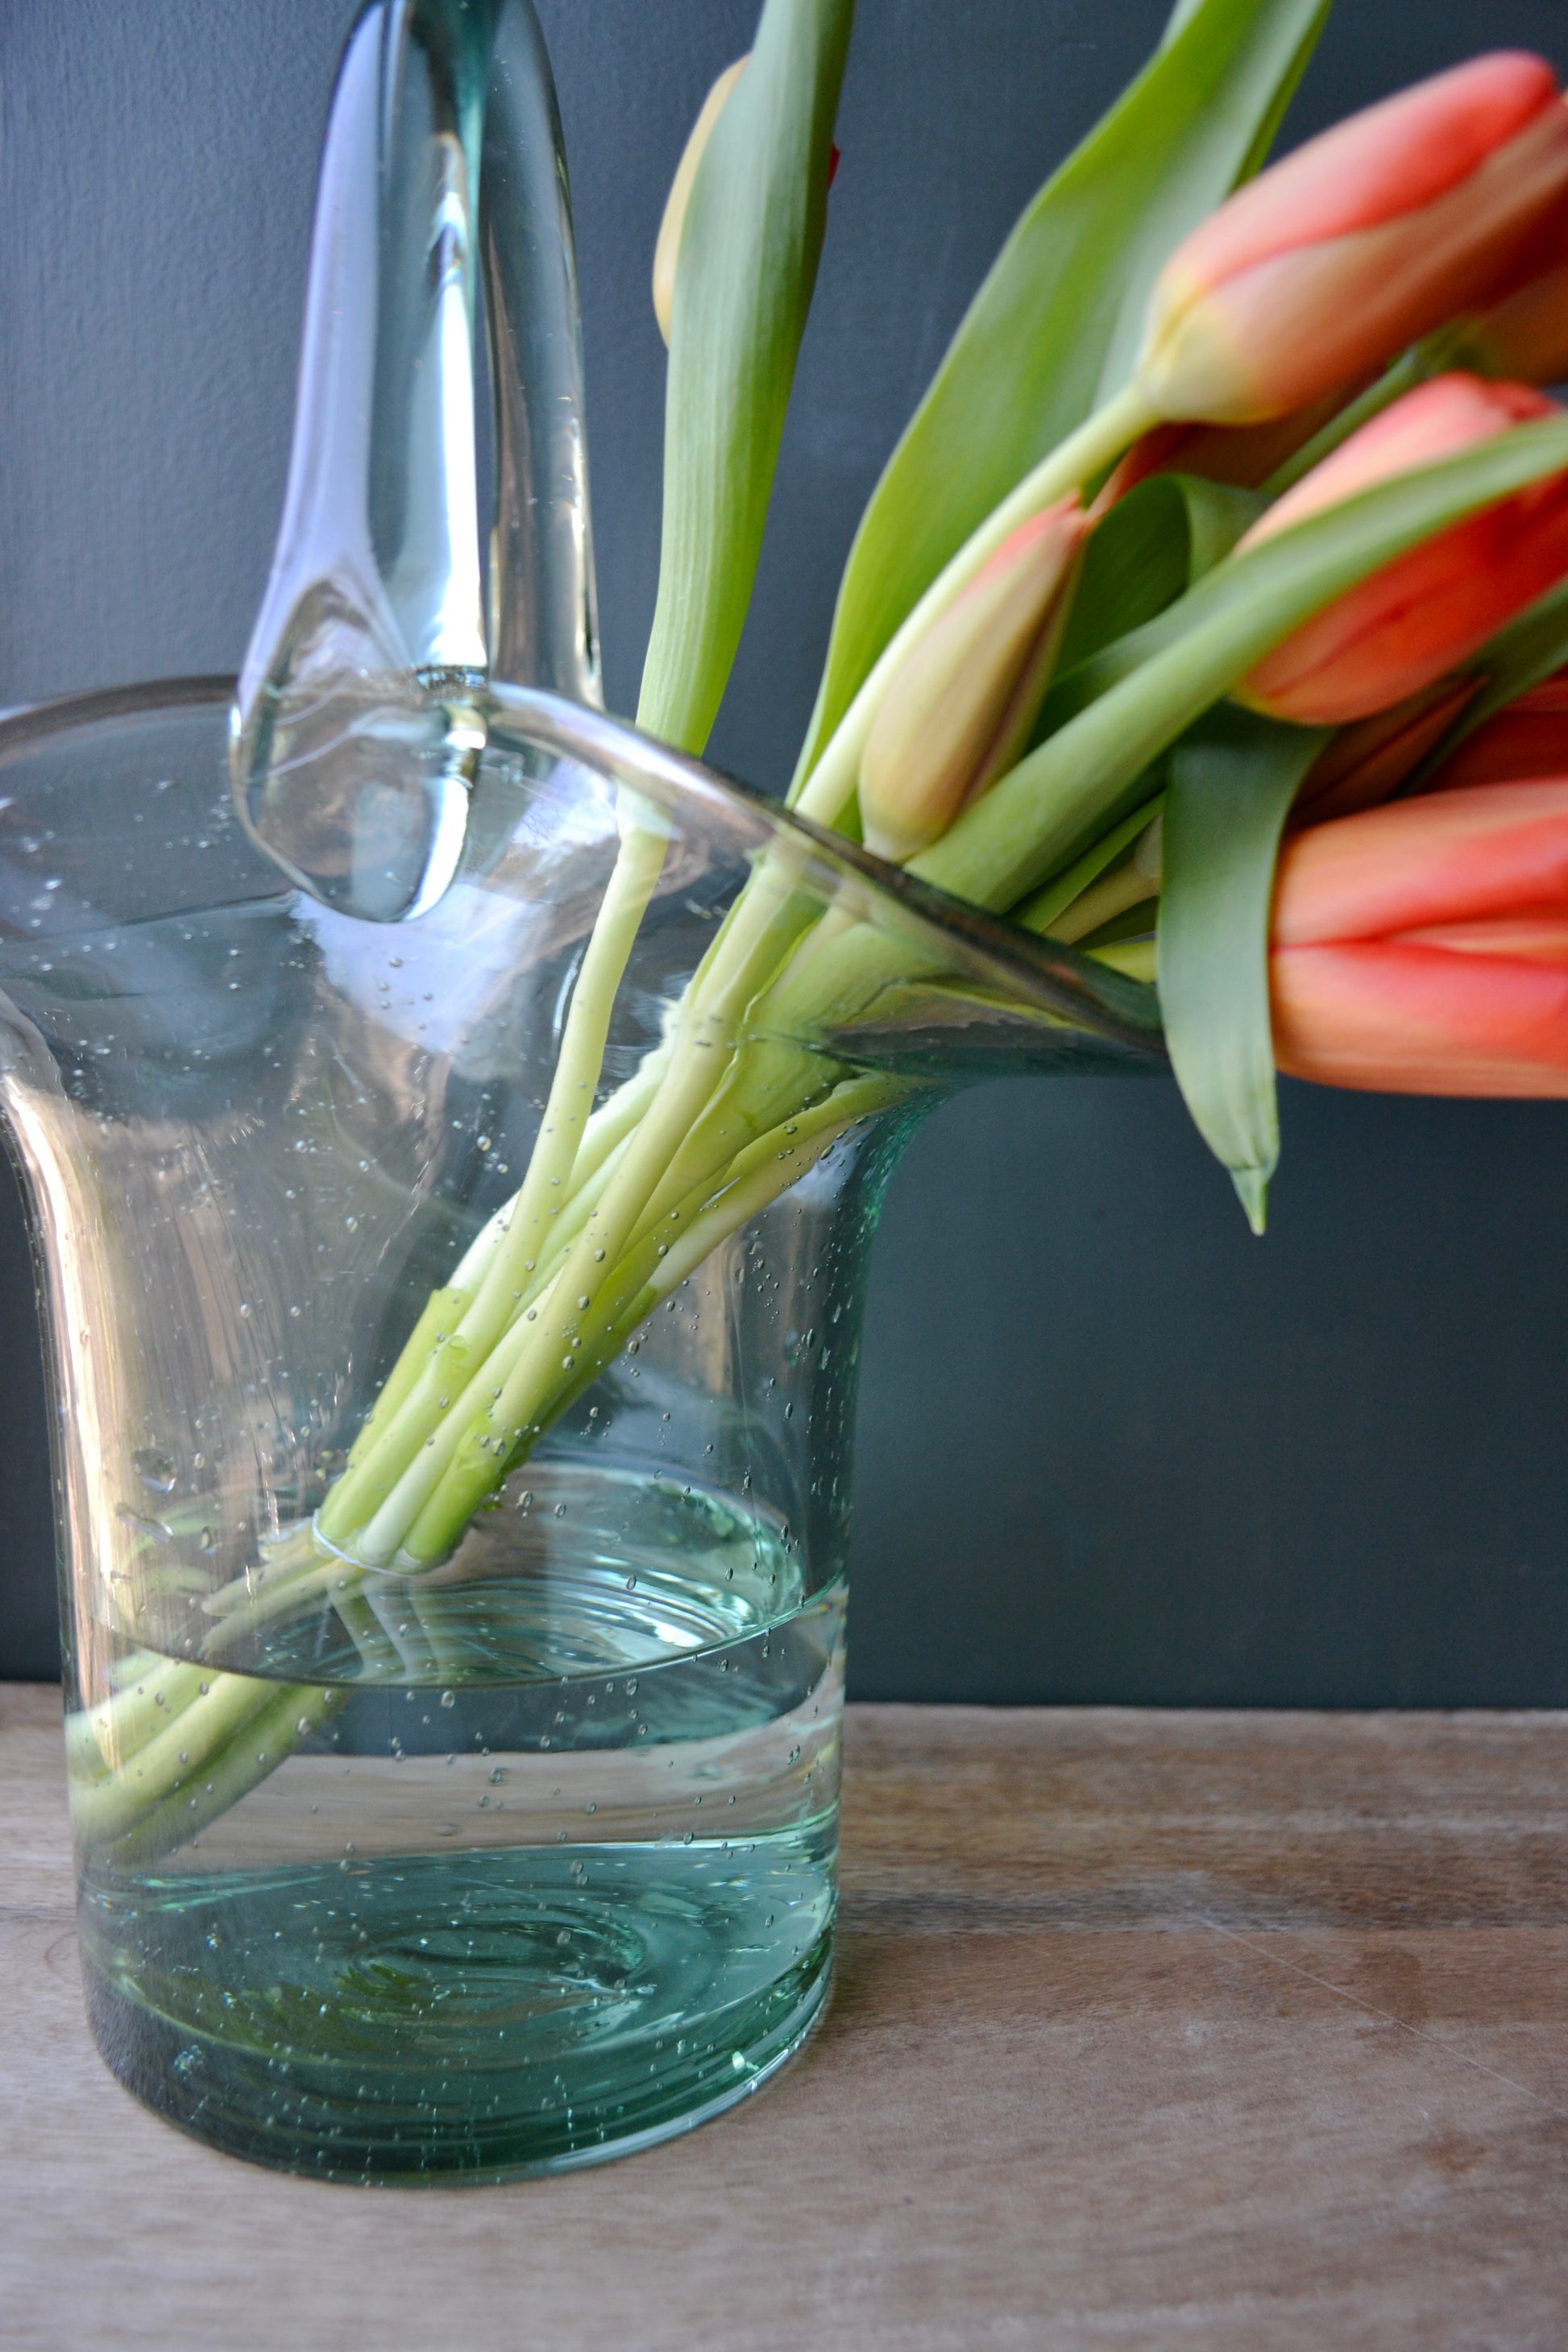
{"x":1239,"y":678}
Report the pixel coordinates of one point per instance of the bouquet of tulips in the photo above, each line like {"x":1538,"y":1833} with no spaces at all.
{"x":1206,"y":620}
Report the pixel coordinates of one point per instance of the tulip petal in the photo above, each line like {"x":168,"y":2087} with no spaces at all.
{"x":1402,"y":1019}
{"x":1292,"y":318}
{"x":1457,"y":857}
{"x":1375,"y":166}
{"x":1539,"y":938}
{"x":1438,"y":419}
{"x":1397,"y":634}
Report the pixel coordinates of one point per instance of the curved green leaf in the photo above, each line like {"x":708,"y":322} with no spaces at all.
{"x":748,"y":264}
{"x":1053,"y":329}
{"x":1153,"y":545}
{"x":1232,"y":782}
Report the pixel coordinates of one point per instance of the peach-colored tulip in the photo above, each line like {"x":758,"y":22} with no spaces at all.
{"x":1423,"y":948}
{"x":1425,"y":613}
{"x":1361,"y":241}
{"x":957,"y":711}
{"x":1529,"y":738}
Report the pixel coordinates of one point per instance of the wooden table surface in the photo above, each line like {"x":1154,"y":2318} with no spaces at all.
{"x":1152,"y":2030}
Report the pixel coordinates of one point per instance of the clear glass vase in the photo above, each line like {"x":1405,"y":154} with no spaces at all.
{"x":517,"y":1850}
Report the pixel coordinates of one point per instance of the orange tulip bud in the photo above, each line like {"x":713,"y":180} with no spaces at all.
{"x":1361,"y":241}
{"x":1426,"y":612}
{"x":1423,"y":949}
{"x":1529,"y":738}
{"x":957,"y":711}
{"x":667,"y":251}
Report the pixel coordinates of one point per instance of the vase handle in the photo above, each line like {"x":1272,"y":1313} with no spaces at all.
{"x":358,"y":720}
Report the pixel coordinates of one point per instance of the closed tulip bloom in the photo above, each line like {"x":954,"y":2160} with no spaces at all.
{"x":1423,"y":949}
{"x":667,"y":251}
{"x":1529,"y":738}
{"x":1427,"y":612}
{"x":958,"y":710}
{"x":1364,"y":239}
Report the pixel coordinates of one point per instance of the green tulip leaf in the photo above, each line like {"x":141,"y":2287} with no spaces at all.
{"x":743,"y":283}
{"x":1153,"y":545}
{"x":1063,"y":795}
{"x":1053,"y":329}
{"x":1038,"y":913}
{"x":1232,"y":782}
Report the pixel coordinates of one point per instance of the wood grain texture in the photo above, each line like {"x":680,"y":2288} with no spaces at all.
{"x":1153,"y":2031}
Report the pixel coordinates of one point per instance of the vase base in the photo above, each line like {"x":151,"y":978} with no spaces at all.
{"x":310,"y":2089}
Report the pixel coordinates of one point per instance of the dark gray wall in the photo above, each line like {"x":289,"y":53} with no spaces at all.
{"x":1111,"y":1448}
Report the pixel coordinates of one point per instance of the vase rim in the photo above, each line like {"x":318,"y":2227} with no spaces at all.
{"x":1057,"y":978}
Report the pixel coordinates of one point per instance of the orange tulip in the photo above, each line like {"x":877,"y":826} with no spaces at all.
{"x":1429,"y":611}
{"x":1358,"y":243}
{"x":1423,"y":949}
{"x":1529,"y":738}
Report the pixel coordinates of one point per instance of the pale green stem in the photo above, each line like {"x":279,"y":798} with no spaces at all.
{"x":536,"y":1393}
{"x":268,"y":1739}
{"x":443,"y":1311}
{"x":376,"y":1543}
{"x":756,"y":1180}
{"x":448,"y":1355}
{"x":606,"y":1130}
{"x":364,"y":1628}
{"x":631,"y":885}
{"x":102,"y":1738}
{"x":179,"y":1753}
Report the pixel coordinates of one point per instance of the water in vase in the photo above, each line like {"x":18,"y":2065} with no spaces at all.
{"x":563,"y":1876}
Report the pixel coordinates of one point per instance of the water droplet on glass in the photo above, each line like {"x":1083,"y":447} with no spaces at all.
{"x":154,"y":1469}
{"x":448,"y":1698}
